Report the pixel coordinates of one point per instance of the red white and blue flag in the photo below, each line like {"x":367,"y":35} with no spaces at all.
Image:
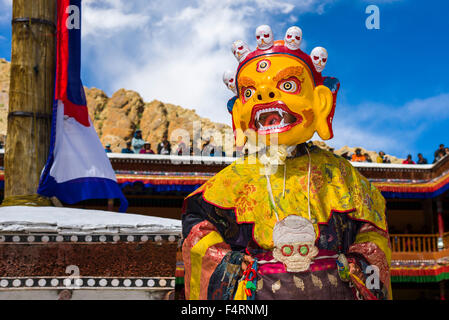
{"x":77,"y":168}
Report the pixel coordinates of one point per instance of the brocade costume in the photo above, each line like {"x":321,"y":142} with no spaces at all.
{"x":231,"y":215}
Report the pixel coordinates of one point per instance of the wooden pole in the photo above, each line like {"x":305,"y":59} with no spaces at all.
{"x":31,"y":94}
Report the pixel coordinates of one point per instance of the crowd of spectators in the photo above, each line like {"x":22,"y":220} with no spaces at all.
{"x":208,"y":148}
{"x":139,"y":145}
{"x":357,"y":156}
{"x":439,"y":154}
{"x":136,"y":145}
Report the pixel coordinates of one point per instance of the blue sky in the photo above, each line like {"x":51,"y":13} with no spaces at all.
{"x":394,"y":92}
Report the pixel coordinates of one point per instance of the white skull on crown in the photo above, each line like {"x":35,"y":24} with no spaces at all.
{"x":319,"y":58}
{"x":240,"y":50}
{"x":293,"y":37}
{"x":294,"y":240}
{"x":229,"y":80}
{"x":264,"y":36}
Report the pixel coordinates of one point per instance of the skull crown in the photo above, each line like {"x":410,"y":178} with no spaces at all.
{"x":265,"y":41}
{"x":289,"y":50}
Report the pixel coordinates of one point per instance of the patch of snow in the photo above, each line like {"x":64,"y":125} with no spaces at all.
{"x":81,"y":221}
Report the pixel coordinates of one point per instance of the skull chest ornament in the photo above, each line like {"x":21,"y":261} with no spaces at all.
{"x":294,"y":241}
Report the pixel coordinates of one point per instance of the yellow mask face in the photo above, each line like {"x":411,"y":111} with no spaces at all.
{"x":278,"y":99}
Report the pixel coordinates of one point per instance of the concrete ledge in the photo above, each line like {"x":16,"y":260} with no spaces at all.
{"x":85,"y":254}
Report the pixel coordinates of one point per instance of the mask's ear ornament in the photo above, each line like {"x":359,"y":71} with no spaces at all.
{"x":240,"y":128}
{"x":324,"y":104}
{"x":334,"y":85}
{"x":231,"y":103}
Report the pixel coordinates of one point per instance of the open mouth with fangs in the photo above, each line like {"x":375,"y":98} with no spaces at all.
{"x":273,"y":117}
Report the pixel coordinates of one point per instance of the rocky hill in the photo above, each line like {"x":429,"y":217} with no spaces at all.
{"x":117,"y":117}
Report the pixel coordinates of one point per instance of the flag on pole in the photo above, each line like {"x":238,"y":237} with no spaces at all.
{"x":77,"y":167}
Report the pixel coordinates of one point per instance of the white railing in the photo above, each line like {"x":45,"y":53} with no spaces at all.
{"x":392,"y":165}
{"x":208,"y":159}
{"x":175,"y":159}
